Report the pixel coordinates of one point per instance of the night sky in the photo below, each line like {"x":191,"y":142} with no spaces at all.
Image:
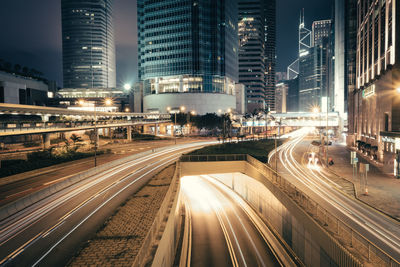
{"x":30,"y":33}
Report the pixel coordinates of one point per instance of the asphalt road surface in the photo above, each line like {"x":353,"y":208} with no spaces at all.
{"x":49,"y":232}
{"x":222,"y":232}
{"x":313,"y":179}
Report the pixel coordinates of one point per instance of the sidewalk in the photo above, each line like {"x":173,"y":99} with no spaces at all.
{"x":383,"y":190}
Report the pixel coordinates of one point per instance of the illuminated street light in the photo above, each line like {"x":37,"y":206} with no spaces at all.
{"x":315,"y":110}
{"x":127,"y":87}
{"x":127,"y":109}
{"x":175,"y":110}
{"x":398,"y":90}
{"x":108,"y":101}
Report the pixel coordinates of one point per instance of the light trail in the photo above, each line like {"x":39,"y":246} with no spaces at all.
{"x":13,"y":226}
{"x":206,"y":198}
{"x":383,"y":229}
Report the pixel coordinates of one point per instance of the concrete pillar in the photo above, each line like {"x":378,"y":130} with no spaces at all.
{"x":129,"y":133}
{"x":45,"y":118}
{"x":146,"y":129}
{"x":46,"y":140}
{"x":156,"y":131}
{"x":163,"y":129}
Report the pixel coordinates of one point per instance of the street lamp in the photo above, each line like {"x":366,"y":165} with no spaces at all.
{"x":127,"y":87}
{"x":176,"y":110}
{"x":107,"y":102}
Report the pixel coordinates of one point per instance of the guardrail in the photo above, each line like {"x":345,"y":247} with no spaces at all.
{"x":343,"y":231}
{"x":196,"y":158}
{"x":167,"y":210}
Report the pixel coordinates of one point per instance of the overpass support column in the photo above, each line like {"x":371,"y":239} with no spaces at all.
{"x":46,"y":140}
{"x":163,"y":129}
{"x":156,"y":129}
{"x":146,"y":129}
{"x":129,"y":133}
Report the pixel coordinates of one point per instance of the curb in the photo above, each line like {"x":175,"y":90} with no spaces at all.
{"x":356,"y":196}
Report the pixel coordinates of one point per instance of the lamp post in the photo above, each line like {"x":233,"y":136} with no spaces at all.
{"x":176,"y":110}
{"x":107,"y":102}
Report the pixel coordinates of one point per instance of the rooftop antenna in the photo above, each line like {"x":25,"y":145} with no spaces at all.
{"x":302,"y":18}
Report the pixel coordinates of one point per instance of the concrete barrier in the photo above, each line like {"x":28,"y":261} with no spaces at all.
{"x":313,"y":245}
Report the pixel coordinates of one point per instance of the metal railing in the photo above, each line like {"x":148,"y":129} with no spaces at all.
{"x":225,"y":157}
{"x":338,"y":229}
{"x":355,"y":242}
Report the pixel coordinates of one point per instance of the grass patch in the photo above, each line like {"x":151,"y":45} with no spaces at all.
{"x":145,"y":137}
{"x":40,"y":159}
{"x":258,"y":149}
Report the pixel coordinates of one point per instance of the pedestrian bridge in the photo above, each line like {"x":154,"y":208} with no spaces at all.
{"x":26,"y":120}
{"x":297,"y":119}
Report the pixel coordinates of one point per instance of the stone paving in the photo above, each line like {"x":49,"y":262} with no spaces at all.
{"x":383,"y":190}
{"x":118,"y":242}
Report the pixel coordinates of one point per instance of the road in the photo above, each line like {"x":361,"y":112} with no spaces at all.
{"x":27,"y":183}
{"x":222,"y":232}
{"x":314,"y":181}
{"x":49,"y":232}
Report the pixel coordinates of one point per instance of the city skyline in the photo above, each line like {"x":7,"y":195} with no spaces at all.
{"x":30,"y":45}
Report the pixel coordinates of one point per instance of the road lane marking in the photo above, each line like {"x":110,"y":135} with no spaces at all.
{"x":98,"y":208}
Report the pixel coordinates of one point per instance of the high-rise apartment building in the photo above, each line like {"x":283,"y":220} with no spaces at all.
{"x":88,"y":44}
{"x":257,"y":52}
{"x":188,"y":54}
{"x":376,"y":98}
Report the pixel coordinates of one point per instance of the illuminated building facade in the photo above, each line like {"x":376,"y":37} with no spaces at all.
{"x":88,"y":44}
{"x":188,"y":54}
{"x":257,"y":52}
{"x":376,"y":98}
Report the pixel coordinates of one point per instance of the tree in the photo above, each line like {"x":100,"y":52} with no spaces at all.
{"x":75,"y":138}
{"x":25,"y":70}
{"x":17,"y":68}
{"x":7,"y":66}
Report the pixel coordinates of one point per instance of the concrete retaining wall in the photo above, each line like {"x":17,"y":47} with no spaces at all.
{"x":311,"y":243}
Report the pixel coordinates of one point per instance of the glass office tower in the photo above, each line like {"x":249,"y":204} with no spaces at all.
{"x":257,"y":53}
{"x":88,"y":44}
{"x":188,"y":53}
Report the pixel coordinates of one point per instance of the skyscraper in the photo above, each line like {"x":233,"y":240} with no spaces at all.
{"x":88,"y":44}
{"x":270,"y":52}
{"x":188,"y":54}
{"x":312,"y":78}
{"x":345,"y":58}
{"x":257,"y":50}
{"x":321,"y":30}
